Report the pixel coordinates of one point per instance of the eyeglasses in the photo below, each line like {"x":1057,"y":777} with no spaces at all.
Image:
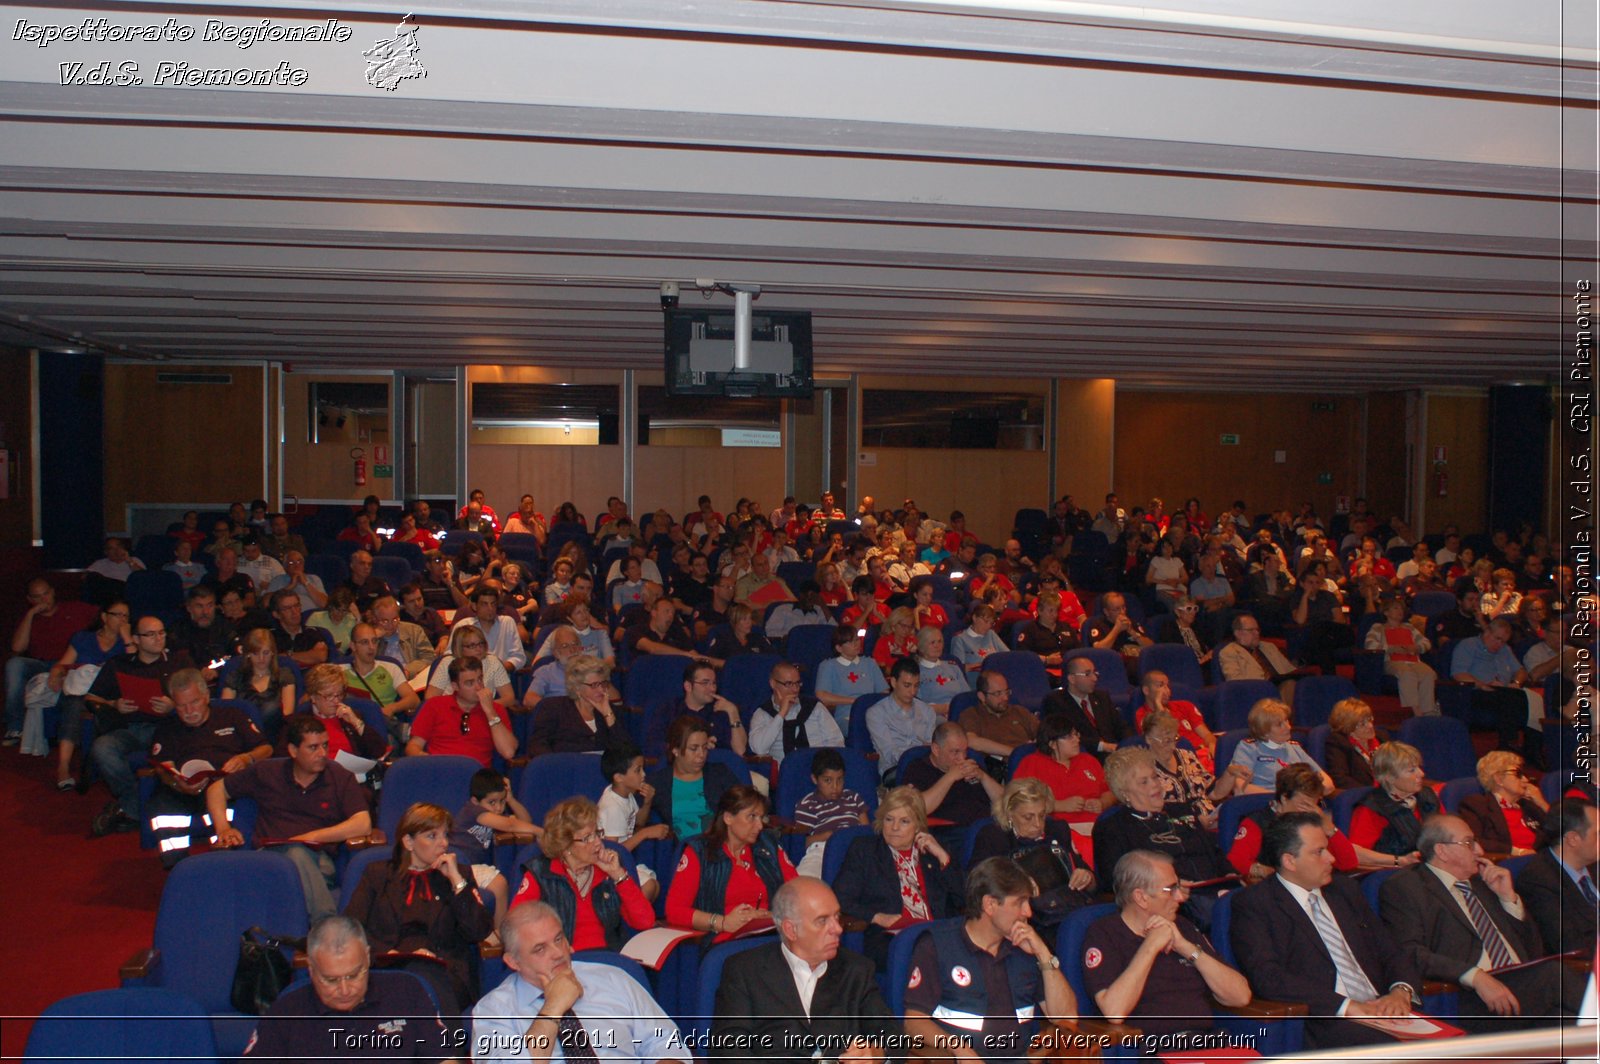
{"x":332,"y":981}
{"x":1175,"y":889}
{"x":787,"y":683}
{"x":123,"y":614}
{"x":147,"y":635}
{"x":584,"y":840}
{"x":1085,"y":672}
{"x":1469,"y":842}
{"x":593,"y":683}
{"x":704,"y":683}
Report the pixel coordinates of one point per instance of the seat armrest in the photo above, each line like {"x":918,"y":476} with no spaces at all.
{"x":1265,"y":1009}
{"x":375,"y":837}
{"x":142,"y":965}
{"x":1439,"y":986}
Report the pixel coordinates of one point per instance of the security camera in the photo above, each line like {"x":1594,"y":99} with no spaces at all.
{"x":669,"y":294}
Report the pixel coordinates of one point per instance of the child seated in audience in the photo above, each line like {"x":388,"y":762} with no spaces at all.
{"x":620,"y":804}
{"x":472,"y":836}
{"x":827,"y":809}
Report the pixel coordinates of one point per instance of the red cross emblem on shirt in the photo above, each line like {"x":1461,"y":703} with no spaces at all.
{"x":941,"y":680}
{"x":853,"y":677}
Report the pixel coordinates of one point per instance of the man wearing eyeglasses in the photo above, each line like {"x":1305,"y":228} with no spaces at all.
{"x":1146,"y":964}
{"x":782,"y":724}
{"x":1248,"y":658}
{"x":1097,"y":720}
{"x":129,"y":698}
{"x":348,"y":1010}
{"x":1460,"y":918}
{"x":467,"y":722}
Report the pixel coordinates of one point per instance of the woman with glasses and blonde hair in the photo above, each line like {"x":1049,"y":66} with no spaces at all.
{"x":347,"y":731}
{"x":1024,"y":831}
{"x":583,"y":879}
{"x":421,"y":910}
{"x":580,"y":721}
{"x":1507,"y":815}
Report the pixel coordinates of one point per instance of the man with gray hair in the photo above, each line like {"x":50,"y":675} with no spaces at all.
{"x":348,"y":1010}
{"x":1459,"y":917}
{"x":828,"y":1004}
{"x":552,"y":1007}
{"x":1149,"y":966}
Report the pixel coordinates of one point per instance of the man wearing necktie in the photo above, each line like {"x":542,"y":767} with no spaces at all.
{"x":1090,"y":710}
{"x":1306,"y":934}
{"x":552,"y":1009}
{"x":1459,"y":917}
{"x":1558,"y":884}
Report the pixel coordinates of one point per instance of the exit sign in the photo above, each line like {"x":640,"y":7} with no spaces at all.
{"x":1229,"y":439}
{"x":1324,"y":478}
{"x":1324,"y":405}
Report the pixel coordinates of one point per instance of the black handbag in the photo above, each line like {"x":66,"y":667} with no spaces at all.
{"x":262,"y":973}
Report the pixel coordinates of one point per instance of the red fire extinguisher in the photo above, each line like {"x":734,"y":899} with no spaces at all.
{"x":1441,"y":480}
{"x":361,"y":465}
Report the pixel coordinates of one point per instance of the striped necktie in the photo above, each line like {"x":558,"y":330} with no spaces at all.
{"x":1494,"y":943}
{"x":1356,"y":984}
{"x":1586,"y":887}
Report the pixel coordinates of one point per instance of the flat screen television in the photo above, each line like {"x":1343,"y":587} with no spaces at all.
{"x":699,"y":354}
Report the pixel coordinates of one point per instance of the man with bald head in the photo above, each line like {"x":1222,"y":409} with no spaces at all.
{"x":368,"y":588}
{"x":802,"y":994}
{"x":1459,"y":917}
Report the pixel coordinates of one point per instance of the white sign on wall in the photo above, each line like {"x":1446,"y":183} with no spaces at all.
{"x":752,"y":438}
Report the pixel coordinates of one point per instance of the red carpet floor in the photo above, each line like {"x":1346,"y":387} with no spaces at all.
{"x":75,"y":907}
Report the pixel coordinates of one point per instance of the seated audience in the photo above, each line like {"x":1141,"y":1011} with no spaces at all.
{"x":110,"y":636}
{"x":1148,"y":965}
{"x":1306,"y":934}
{"x":348,"y":732}
{"x":1269,"y":747}
{"x":896,"y":639}
{"x":953,"y":786}
{"x":297,"y":640}
{"x":383,"y":681}
{"x":1353,"y":739}
{"x":978,"y":641}
{"x":1075,"y":778}
{"x":583,"y":879}
{"x":1097,"y":721}
{"x":830,"y":807}
{"x":898,"y":876}
{"x":1402,"y":646}
{"x":583,"y":720}
{"x":687,"y":788}
{"x":726,"y":877}
{"x":1389,"y":819}
{"x":1024,"y":831}
{"x":422,"y":913}
{"x":625,"y":804}
{"x":741,"y":636}
{"x":1558,"y":885}
{"x":1299,"y":790}
{"x":1459,"y":917}
{"x":996,"y":726}
{"x":1157,"y":690}
{"x":785,"y":723}
{"x":498,"y":630}
{"x":901,"y":720}
{"x":263,"y":680}
{"x":1248,"y":658}
{"x":1505,"y":818}
{"x":469,"y":642}
{"x":468,"y":722}
{"x":129,"y":699}
{"x":306,"y":804}
{"x":939,"y":681}
{"x":404,"y":640}
{"x":490,"y":808}
{"x":1192,"y":790}
{"x":847,"y":675}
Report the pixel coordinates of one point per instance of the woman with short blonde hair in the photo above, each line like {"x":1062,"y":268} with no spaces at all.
{"x":1390,"y":818}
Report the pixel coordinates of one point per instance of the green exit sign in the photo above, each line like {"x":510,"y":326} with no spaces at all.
{"x":1326,"y":406}
{"x":1229,"y":439}
{"x":1324,"y":478}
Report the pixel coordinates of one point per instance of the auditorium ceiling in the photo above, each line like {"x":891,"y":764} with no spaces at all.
{"x":1202,"y":194}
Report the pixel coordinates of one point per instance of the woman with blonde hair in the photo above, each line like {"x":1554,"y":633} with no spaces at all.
{"x":897,"y":638}
{"x":1270,"y":747}
{"x":1389,"y":820}
{"x":899,"y":875}
{"x":1024,"y":831}
{"x":1507,"y":815}
{"x":583,"y":879}
{"x":468,"y":641}
{"x":1352,"y":740}
{"x":263,"y":681}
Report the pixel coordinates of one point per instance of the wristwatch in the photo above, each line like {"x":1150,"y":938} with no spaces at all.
{"x":1049,"y":962}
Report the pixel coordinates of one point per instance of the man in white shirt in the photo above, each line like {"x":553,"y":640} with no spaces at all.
{"x":260,"y":567}
{"x":802,"y":994}
{"x":499,"y":630}
{"x":551,"y":1008}
{"x":782,"y":723}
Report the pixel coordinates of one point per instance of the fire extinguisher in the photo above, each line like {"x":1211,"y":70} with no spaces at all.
{"x":360,"y":456}
{"x":1441,"y":480}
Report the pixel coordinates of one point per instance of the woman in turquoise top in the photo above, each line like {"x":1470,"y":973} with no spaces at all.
{"x":687,"y":788}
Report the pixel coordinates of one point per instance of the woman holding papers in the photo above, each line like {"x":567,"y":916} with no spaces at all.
{"x":348,"y":734}
{"x":726,"y":878}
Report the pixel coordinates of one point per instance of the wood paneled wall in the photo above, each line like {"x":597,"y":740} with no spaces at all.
{"x":988,"y":486}
{"x":582,"y":475}
{"x":1086,"y":414}
{"x":1168,"y":445}
{"x":674,"y":477}
{"x":1460,"y":423}
{"x":1387,"y":453}
{"x":181,"y":443}
{"x":325,"y":470}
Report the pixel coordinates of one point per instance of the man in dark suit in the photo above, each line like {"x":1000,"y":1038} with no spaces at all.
{"x":1092,"y":711}
{"x":1558,"y":885}
{"x":1305,"y":934}
{"x":1459,"y":917}
{"x":829,"y":1000}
